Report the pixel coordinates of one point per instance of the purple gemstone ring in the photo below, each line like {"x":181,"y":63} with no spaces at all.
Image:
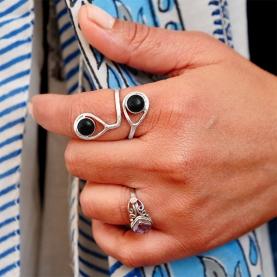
{"x":141,"y":222}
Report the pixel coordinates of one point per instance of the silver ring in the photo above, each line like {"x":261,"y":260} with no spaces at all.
{"x":141,"y":222}
{"x":135,"y":102}
{"x":84,"y":124}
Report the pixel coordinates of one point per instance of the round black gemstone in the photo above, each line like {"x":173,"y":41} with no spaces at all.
{"x":86,"y":126}
{"x":135,"y":103}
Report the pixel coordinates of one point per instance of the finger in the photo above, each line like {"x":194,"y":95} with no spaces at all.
{"x":106,"y":203}
{"x":150,"y":49}
{"x":135,"y":250}
{"x":103,"y":162}
{"x":57,"y":113}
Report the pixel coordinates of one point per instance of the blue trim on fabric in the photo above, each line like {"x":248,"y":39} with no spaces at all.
{"x":72,"y":202}
{"x":8,"y":221}
{"x":83,"y":219}
{"x":71,"y":56}
{"x":13,"y":19}
{"x":82,"y":233}
{"x":11,"y":124}
{"x":13,"y":108}
{"x":13,"y":8}
{"x":93,"y":253}
{"x":65,"y":27}
{"x":93,"y":266}
{"x":16,"y":31}
{"x":8,"y":268}
{"x":11,"y":140}
{"x":10,"y":235}
{"x":82,"y":273}
{"x":9,"y":251}
{"x":9,"y":172}
{"x":9,"y":204}
{"x":13,"y":93}
{"x":115,"y":267}
{"x":68,"y":42}
{"x":73,"y":88}
{"x":72,"y":72}
{"x":62,"y":13}
{"x":8,"y":189}
{"x":14,"y":45}
{"x":14,"y":77}
{"x":15,"y":61}
{"x":10,"y":155}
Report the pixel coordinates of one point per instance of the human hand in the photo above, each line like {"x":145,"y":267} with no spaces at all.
{"x":203,"y":161}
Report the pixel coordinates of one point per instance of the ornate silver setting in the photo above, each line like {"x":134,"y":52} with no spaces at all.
{"x":140,"y":221}
{"x":126,"y":109}
{"x":93,"y":117}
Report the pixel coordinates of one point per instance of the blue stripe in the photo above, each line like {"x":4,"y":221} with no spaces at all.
{"x":88,"y":237}
{"x":93,"y":266}
{"x":65,"y":27}
{"x":71,"y":57}
{"x":8,"y":268}
{"x":11,"y":124}
{"x":10,"y":155}
{"x":72,"y":72}
{"x":84,"y":220}
{"x":12,"y":8}
{"x":14,"y":45}
{"x":9,"y":172}
{"x":62,"y":13}
{"x":13,"y":93}
{"x":14,"y":61}
{"x":16,"y":31}
{"x":9,"y":251}
{"x":9,"y":204}
{"x":93,"y":253}
{"x":8,"y":221}
{"x":11,"y":140}
{"x":13,"y":108}
{"x":82,"y":273}
{"x":14,"y":77}
{"x":68,"y":42}
{"x":10,"y":20}
{"x":10,"y":235}
{"x":8,"y":189}
{"x":73,"y":88}
{"x":72,"y":202}
{"x":115,"y":267}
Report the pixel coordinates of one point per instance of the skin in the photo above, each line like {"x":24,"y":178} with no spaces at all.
{"x":204,"y":160}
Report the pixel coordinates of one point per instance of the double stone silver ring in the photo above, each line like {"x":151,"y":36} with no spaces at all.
{"x":84,"y":127}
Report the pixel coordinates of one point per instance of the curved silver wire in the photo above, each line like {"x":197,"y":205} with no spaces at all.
{"x":125,"y":110}
{"x":107,"y":127}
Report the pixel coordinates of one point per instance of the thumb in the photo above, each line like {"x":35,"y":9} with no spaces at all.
{"x":147,"y":48}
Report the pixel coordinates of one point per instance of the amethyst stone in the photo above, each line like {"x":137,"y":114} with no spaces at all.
{"x":142,"y":226}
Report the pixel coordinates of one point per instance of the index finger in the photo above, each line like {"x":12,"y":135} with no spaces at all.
{"x":57,"y":113}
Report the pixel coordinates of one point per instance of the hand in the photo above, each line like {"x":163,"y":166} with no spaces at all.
{"x":203,"y":161}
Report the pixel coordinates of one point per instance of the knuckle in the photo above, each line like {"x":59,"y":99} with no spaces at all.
{"x":85,"y":203}
{"x":72,"y":159}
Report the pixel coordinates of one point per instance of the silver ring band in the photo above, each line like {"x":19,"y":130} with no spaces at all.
{"x":135,"y":102}
{"x":84,"y":125}
{"x":140,"y":221}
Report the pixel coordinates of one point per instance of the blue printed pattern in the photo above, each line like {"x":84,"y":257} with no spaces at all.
{"x":222,"y":21}
{"x":239,"y":258}
{"x":16,"y":28}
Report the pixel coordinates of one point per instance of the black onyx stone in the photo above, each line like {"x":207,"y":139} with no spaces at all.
{"x":135,"y":103}
{"x":86,"y":126}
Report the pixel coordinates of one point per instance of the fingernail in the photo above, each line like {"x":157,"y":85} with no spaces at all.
{"x":30,"y":109}
{"x":100,"y":17}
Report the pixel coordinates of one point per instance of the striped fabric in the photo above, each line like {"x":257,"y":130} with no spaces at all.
{"x":16,"y":27}
{"x":88,"y":258}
